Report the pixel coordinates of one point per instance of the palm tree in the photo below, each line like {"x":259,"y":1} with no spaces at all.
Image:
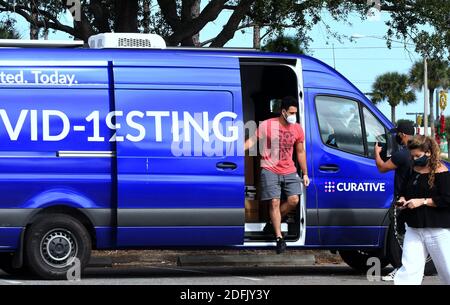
{"x":284,"y":44}
{"x":394,"y":88}
{"x":438,"y":76}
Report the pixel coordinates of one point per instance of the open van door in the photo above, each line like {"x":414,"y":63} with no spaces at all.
{"x":180,"y":175}
{"x":265,"y":81}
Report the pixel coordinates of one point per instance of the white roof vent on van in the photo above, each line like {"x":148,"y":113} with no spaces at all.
{"x":127,"y":41}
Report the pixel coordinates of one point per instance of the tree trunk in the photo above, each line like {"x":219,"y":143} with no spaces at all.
{"x":257,"y":37}
{"x":393,"y":114}
{"x":101,"y":14}
{"x":189,"y":13}
{"x":146,"y":17}
{"x":127,"y":16}
{"x":34,"y":30}
{"x":432,"y":119}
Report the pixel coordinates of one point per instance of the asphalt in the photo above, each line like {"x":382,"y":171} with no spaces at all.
{"x":173,"y":275}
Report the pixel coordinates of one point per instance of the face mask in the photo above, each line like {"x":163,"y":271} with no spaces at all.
{"x":422,"y":161}
{"x":291,"y":119}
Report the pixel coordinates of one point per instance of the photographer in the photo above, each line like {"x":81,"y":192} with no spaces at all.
{"x":401,"y":162}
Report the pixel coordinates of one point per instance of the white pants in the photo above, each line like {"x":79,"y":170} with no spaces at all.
{"x":417,"y":245}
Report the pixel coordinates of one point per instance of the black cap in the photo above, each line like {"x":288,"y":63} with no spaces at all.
{"x":405,"y":127}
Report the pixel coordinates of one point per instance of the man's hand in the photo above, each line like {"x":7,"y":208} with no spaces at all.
{"x":413,"y":203}
{"x":377,"y":149}
{"x":306,"y":181}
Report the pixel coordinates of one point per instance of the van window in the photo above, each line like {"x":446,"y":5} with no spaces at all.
{"x":340,"y":123}
{"x":375,"y":131}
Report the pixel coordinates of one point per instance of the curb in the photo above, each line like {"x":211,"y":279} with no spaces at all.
{"x":246,"y":260}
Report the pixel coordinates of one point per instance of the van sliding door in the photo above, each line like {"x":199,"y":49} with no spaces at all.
{"x":180,"y":178}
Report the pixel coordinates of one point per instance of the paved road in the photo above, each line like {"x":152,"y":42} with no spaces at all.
{"x":148,"y":275}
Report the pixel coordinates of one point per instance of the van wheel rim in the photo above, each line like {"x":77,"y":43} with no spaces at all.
{"x":59,"y":248}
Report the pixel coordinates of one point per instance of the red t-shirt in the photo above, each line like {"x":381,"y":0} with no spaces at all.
{"x":277,"y":145}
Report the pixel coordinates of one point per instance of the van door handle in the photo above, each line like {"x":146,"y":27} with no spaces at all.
{"x":226,"y":165}
{"x":329,"y":168}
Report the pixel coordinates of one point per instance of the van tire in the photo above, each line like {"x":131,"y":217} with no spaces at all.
{"x":6,"y":264}
{"x":394,"y":251}
{"x":52,"y":244}
{"x":357,"y":259}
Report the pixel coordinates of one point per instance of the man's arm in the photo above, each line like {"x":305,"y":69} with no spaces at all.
{"x":301,"y":157}
{"x":249,"y":143}
{"x":383,"y":167}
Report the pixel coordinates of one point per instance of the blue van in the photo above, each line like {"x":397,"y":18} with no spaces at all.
{"x":111,"y":149}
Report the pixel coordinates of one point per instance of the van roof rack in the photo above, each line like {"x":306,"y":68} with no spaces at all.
{"x":19,"y":43}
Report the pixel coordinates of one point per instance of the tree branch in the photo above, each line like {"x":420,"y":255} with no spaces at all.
{"x":169,"y":11}
{"x":25,"y":13}
{"x":233,"y":23}
{"x":186,"y":29}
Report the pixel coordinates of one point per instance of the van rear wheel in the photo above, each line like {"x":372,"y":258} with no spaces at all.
{"x":357,"y":259}
{"x":55,"y":244}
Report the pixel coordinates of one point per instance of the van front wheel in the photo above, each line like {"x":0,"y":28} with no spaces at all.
{"x":55,"y":245}
{"x":357,"y":259}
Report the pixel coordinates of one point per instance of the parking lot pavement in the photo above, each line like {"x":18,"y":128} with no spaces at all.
{"x":173,"y":275}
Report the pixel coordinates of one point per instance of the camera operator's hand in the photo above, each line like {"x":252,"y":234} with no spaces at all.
{"x":377,"y":149}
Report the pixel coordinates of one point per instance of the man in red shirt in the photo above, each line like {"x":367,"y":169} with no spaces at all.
{"x":278,"y":137}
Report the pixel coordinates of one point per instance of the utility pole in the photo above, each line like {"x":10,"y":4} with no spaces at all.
{"x":427,"y":98}
{"x":334,"y":58}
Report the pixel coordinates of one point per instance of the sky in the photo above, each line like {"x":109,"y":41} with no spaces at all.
{"x":361,"y":60}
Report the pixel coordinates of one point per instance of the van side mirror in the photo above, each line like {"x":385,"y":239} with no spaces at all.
{"x":390,"y":146}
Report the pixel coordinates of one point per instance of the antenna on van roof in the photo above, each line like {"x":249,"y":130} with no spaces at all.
{"x":19,"y":43}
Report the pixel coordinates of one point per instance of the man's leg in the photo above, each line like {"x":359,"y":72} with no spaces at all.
{"x":293,"y":189}
{"x":271,"y":191}
{"x":275,"y":216}
{"x":289,"y":205}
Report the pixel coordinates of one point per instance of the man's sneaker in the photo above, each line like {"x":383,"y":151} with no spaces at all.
{"x":390,"y":276}
{"x":268,"y":229}
{"x":281,"y":245}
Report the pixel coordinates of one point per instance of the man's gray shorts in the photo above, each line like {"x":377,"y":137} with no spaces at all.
{"x":273,"y":184}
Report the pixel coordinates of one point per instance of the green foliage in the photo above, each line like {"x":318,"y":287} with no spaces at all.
{"x":284,"y":44}
{"x":180,"y":21}
{"x":7,"y":31}
{"x":438,"y":74}
{"x":403,"y":121}
{"x":393,"y":88}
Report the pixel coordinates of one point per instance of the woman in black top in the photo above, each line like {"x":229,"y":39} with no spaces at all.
{"x":425,"y":198}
